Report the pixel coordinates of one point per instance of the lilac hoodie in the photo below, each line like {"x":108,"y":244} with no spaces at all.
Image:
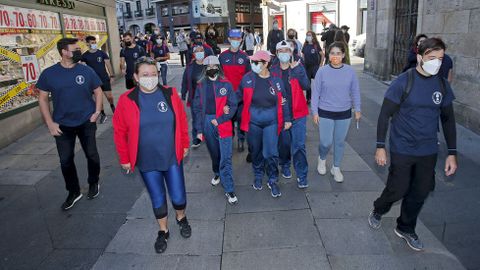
{"x":335,"y":89}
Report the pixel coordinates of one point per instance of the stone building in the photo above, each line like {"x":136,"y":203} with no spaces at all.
{"x":138,"y":16}
{"x":392,"y":25}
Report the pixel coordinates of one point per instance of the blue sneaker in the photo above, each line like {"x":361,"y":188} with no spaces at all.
{"x":286,"y":173}
{"x":302,"y":183}
{"x":411,"y":238}
{"x":257,"y":184}
{"x":275,"y":190}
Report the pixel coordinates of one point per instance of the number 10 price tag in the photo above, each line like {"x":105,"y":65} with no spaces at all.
{"x":31,"y":70}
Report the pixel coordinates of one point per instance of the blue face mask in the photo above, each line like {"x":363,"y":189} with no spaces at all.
{"x":199,"y":55}
{"x":284,"y":57}
{"x":235,"y":44}
{"x":257,"y":68}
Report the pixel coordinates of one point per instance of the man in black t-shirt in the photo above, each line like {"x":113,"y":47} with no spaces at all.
{"x":99,"y":61}
{"x":128,"y":57}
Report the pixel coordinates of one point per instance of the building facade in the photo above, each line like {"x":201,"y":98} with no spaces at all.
{"x":29,"y":30}
{"x":315,"y":15}
{"x":136,"y":16}
{"x":392,"y":25}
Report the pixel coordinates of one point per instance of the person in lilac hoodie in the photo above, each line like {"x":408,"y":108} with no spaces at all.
{"x":334,"y":92}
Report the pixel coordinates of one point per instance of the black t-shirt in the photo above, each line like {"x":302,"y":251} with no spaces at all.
{"x":96,"y":61}
{"x":131,"y":55}
{"x":264,"y":95}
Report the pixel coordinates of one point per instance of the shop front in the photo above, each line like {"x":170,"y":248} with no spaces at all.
{"x":29,"y":31}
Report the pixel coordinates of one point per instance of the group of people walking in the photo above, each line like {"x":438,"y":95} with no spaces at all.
{"x":263,"y":100}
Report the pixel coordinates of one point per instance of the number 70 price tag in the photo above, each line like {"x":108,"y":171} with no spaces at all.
{"x":31,"y":70}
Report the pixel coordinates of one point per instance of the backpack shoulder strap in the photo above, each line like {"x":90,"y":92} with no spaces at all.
{"x":408,"y":88}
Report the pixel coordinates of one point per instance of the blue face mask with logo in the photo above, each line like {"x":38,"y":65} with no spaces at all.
{"x":257,"y":68}
{"x":284,"y":57}
{"x":235,"y":44}
{"x":199,"y":55}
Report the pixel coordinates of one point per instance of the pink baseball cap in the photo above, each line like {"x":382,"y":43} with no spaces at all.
{"x":261,"y":56}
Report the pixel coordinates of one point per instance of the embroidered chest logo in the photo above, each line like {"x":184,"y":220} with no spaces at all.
{"x":223,"y":91}
{"x":272,"y":91}
{"x":437,"y":98}
{"x":312,"y":51}
{"x":80,"y":79}
{"x":249,"y":81}
{"x":162,"y":106}
{"x":99,"y":59}
{"x":227,"y":60}
{"x":240,"y":61}
{"x":135,"y":55}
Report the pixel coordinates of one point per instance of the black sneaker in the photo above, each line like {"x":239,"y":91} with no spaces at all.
{"x":411,"y":238}
{"x":249,"y":158}
{"x":196,"y":143}
{"x":72,"y":198}
{"x":93,"y":191}
{"x":185,"y":229}
{"x":103,"y":118}
{"x":374,"y":220}
{"x":161,"y":243}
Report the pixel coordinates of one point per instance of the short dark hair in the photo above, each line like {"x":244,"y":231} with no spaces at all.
{"x":63,"y":43}
{"x":90,"y":38}
{"x":128,"y":34}
{"x":337,"y":44}
{"x":144,"y":60}
{"x":431,"y":44}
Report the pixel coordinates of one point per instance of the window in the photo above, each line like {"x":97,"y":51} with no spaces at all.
{"x":129,"y":9}
{"x":164,"y":11}
{"x":242,"y":7}
{"x":180,"y":9}
{"x":257,"y":9}
{"x":139,"y":5}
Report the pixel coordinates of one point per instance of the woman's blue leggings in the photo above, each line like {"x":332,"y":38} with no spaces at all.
{"x":155,"y":183}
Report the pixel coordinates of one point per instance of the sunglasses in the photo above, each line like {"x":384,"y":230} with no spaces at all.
{"x":256,"y":62}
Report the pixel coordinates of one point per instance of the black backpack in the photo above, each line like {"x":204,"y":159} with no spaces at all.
{"x":411,"y":79}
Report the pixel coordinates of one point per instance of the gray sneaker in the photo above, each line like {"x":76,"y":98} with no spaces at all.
{"x":374,"y":220}
{"x":411,"y":238}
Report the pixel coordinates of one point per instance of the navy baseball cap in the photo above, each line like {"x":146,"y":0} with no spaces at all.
{"x":235,"y":33}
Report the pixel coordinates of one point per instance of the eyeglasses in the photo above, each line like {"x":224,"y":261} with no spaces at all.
{"x":145,"y":60}
{"x":256,"y":62}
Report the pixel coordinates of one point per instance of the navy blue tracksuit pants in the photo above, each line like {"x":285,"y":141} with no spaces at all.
{"x":292,"y":143}
{"x":262,"y":139}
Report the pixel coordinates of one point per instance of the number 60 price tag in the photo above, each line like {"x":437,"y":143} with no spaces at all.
{"x":31,"y":70}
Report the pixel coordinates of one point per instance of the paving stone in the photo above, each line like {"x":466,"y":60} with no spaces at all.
{"x":251,"y":200}
{"x":110,"y":261}
{"x":32,"y":148}
{"x":352,"y":237}
{"x":298,"y":258}
{"x":361,"y":262}
{"x":198,"y":182}
{"x":17,"y":177}
{"x":66,"y":259}
{"x":267,"y":230}
{"x":345,"y":204}
{"x":138,"y":236}
{"x":358,"y":181}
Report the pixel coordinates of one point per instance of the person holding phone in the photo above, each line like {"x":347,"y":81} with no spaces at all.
{"x":151,"y":134}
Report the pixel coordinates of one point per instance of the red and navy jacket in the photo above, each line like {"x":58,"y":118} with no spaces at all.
{"x":188,"y":86}
{"x":234,"y":65}
{"x":294,"y":94}
{"x":126,"y":125}
{"x":245,"y":94}
{"x":224,"y":95}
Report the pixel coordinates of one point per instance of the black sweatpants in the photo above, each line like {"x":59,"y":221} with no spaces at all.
{"x":410,"y":178}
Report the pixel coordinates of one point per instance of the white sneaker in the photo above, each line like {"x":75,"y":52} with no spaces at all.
{"x":337,"y":174}
{"x":322,"y":167}
{"x":215,"y":180}
{"x":231,"y":197}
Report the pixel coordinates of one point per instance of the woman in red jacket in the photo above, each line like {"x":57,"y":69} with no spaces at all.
{"x":151,"y":133}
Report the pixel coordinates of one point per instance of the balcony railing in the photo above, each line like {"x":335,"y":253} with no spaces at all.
{"x":139,"y":13}
{"x":150,"y":12}
{"x":127,"y":15}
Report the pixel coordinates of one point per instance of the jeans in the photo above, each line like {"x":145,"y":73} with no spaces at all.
{"x":220,"y":150}
{"x":163,"y":72}
{"x":66,"y":152}
{"x":410,"y":178}
{"x":155,"y":182}
{"x":336,"y":131}
{"x":262,"y":139}
{"x":292,"y":143}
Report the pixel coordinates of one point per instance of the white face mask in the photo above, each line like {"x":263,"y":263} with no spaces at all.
{"x":159,"y":41}
{"x":432,"y":67}
{"x":149,"y":83}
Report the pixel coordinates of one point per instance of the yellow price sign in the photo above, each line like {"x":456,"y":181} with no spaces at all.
{"x":102,"y":41}
{"x":45,"y":49}
{"x":10,"y":54}
{"x":13,"y":92}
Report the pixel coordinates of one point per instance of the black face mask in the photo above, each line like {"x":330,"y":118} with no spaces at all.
{"x":212,"y":73}
{"x":128,"y":43}
{"x":291,"y":36}
{"x":76,"y":56}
